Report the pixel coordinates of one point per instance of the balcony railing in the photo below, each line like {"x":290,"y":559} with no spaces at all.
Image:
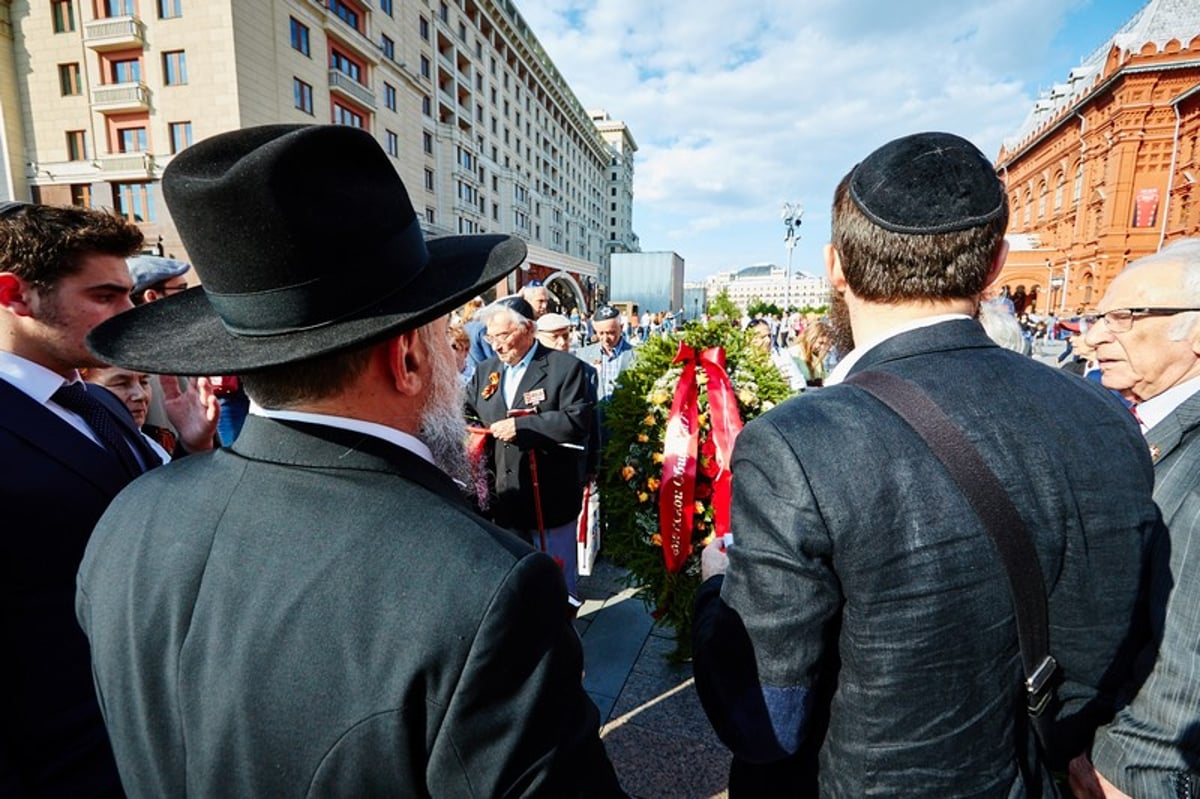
{"x":114,"y":33}
{"x":121,"y":97}
{"x":341,"y":82}
{"x":126,"y":166}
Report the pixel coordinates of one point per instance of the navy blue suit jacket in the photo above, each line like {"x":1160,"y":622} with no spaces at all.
{"x":54,"y":485}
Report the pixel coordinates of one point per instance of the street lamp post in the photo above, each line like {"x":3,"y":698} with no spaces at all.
{"x":791,"y":214}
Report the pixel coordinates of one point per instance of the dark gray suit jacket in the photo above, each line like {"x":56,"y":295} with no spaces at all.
{"x":862,"y":584}
{"x":54,"y":484}
{"x":1152,"y":748}
{"x":565,"y":415}
{"x":318,"y":613}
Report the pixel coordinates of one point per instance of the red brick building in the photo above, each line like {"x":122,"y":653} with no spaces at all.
{"x":1104,"y":168}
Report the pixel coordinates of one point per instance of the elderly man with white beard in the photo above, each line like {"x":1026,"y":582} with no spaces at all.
{"x":316,"y":610}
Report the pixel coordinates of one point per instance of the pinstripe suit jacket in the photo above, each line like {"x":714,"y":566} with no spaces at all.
{"x":1152,"y":747}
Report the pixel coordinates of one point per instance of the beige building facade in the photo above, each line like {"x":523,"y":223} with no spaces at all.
{"x":99,"y":95}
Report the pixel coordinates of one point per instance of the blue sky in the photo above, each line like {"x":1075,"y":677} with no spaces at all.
{"x":739,"y":106}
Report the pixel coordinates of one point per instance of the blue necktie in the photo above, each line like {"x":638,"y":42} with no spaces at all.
{"x":74,"y":397}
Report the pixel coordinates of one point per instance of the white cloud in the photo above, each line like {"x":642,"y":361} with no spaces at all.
{"x":739,"y":106}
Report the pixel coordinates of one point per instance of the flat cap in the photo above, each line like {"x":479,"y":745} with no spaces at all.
{"x":150,"y":270}
{"x":927,"y":183}
{"x":552,"y":321}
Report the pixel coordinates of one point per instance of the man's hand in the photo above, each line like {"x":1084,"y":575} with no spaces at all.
{"x":1087,"y":783}
{"x":193,"y":411}
{"x":505,"y":430}
{"x":713,"y":559}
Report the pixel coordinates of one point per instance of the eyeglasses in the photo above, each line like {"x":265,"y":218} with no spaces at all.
{"x":501,"y":337}
{"x":1120,"y":320}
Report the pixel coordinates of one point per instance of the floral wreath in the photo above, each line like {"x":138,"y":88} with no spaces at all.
{"x":637,"y":418}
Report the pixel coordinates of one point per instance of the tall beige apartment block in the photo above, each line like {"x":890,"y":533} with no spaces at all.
{"x":99,"y":95}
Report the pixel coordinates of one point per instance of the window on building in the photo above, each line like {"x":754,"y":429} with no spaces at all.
{"x":343,"y":115}
{"x":423,"y":28}
{"x":1043,"y":195}
{"x":388,"y":46}
{"x":126,"y":70}
{"x":386,"y":7}
{"x":389,"y":96}
{"x":426,"y":67}
{"x":63,"y":14}
{"x":345,"y":64}
{"x":77,"y":145}
{"x":174,"y":67}
{"x":169,"y":9}
{"x":131,"y":139}
{"x":428,"y":180}
{"x":430,"y":216}
{"x":496,"y":211}
{"x":299,"y":36}
{"x":393,"y":144}
{"x":444,"y":12}
{"x":1077,"y":193}
{"x":427,"y":142}
{"x":70,"y":82}
{"x":134,"y":201}
{"x":181,"y":135}
{"x":117,"y":8}
{"x":426,"y":106}
{"x":1060,"y":188}
{"x":81,"y":195}
{"x":349,"y":13}
{"x":302,"y":96}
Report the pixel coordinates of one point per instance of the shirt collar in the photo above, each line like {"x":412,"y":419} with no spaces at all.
{"x":839,"y":372}
{"x":32,"y":378}
{"x":524,"y":362}
{"x":374,"y":429}
{"x":1159,"y":407}
{"x":622,"y":345}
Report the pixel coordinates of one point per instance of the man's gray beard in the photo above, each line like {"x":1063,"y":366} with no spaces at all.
{"x":443,"y":427}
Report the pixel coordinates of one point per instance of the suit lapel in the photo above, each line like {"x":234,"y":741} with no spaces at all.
{"x":534,"y":375}
{"x":1165,"y":436}
{"x":45,"y":431}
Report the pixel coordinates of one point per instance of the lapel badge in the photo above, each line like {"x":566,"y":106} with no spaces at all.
{"x":532,"y":398}
{"x":493,"y":383}
{"x":1155,"y":453}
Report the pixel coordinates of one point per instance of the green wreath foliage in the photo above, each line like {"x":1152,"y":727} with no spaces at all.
{"x":636,"y":417}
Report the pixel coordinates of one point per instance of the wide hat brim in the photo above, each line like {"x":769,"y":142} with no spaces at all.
{"x":183,"y":335}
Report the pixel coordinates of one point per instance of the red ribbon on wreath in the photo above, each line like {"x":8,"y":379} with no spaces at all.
{"x":676,"y":496}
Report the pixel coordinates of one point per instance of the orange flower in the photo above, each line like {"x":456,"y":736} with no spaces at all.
{"x":652,"y":484}
{"x":649,"y":420}
{"x":643,"y":438}
{"x":643,"y":496}
{"x":657,"y":457}
{"x":656,"y":539}
{"x":628,"y":472}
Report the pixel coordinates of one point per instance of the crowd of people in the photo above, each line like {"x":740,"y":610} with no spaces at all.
{"x":957,"y":572}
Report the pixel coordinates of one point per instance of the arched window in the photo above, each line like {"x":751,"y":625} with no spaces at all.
{"x":1028,"y":205}
{"x":1089,"y":284}
{"x":1060,"y":189}
{"x":1015,"y":203}
{"x":1043,"y":195}
{"x":1078,"y":192}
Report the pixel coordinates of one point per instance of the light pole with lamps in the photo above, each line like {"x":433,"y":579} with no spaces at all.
{"x":792,"y":213}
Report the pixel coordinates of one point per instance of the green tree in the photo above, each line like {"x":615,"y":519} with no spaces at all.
{"x":756,"y":308}
{"x":722,"y":306}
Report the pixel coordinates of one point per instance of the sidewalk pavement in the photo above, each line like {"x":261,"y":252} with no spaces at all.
{"x":656,"y":733}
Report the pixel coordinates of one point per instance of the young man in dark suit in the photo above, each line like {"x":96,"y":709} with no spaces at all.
{"x":864,"y":629}
{"x":315,"y":610}
{"x":62,"y":272}
{"x":539,"y":405}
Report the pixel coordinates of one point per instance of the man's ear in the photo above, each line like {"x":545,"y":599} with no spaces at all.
{"x":833,"y":268}
{"x":997,"y":262}
{"x":14,"y":294}
{"x":408,"y":362}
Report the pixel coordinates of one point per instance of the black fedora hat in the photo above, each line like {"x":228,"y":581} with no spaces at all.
{"x":306,"y":243}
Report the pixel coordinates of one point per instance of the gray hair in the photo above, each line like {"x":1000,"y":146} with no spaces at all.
{"x":1184,"y":253}
{"x":499,"y":309}
{"x":1001,"y":326}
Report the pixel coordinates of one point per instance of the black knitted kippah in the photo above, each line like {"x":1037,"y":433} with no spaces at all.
{"x":927,"y":183}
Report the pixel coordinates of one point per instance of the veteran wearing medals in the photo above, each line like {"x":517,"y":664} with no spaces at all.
{"x":537,"y":404}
